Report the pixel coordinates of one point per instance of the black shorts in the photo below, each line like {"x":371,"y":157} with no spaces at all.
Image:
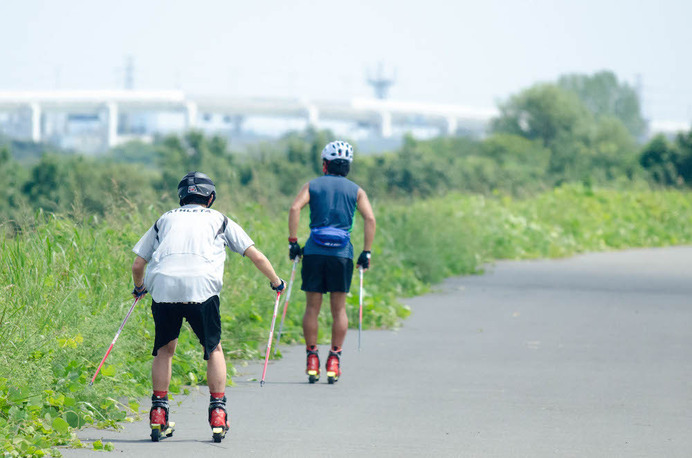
{"x":326,"y":274}
{"x":204,"y":319}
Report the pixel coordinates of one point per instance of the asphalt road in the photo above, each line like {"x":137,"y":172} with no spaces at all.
{"x":583,"y":357}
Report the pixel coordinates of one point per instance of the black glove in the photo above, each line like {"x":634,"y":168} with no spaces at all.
{"x":364,"y":260}
{"x":280,"y":287}
{"x":139,"y":291}
{"x":294,"y":250}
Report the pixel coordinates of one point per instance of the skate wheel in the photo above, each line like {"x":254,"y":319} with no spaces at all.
{"x":313,"y":378}
{"x":155,"y":433}
{"x":218,"y":433}
{"x":331,"y":380}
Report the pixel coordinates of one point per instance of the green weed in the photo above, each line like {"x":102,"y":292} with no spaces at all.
{"x":64,"y":289}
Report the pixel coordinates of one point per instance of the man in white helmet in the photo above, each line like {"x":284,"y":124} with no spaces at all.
{"x":183,"y":255}
{"x":328,"y":252}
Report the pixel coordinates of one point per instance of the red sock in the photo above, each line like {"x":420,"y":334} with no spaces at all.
{"x":336,"y":349}
{"x":160,"y":394}
{"x":217,"y":395}
{"x":312,"y":347}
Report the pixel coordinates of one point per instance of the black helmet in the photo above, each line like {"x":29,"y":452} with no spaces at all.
{"x":198,"y":184}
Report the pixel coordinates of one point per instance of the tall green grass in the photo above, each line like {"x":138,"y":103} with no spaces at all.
{"x":64,"y":289}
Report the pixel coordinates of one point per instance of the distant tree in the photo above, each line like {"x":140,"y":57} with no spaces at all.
{"x":544,"y":112}
{"x":78,"y":183}
{"x":614,"y":152}
{"x":661,"y":160}
{"x":583,"y":146}
{"x":193,"y":151}
{"x":522,"y":162}
{"x":283,"y":167}
{"x":305,"y":148}
{"x":134,"y":152}
{"x":5,"y":156}
{"x":604,"y":95}
{"x":14,"y":178}
{"x":683,"y":142}
{"x":556,"y":118}
{"x":49,"y":186}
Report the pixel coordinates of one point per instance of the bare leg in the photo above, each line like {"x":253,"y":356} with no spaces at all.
{"x":312,"y":312}
{"x":339,"y":317}
{"x":216,"y":371}
{"x":161,"y":366}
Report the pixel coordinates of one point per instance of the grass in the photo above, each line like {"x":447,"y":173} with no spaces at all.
{"x":64,"y":290}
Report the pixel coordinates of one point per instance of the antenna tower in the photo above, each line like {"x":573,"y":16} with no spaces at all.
{"x":380,"y":83}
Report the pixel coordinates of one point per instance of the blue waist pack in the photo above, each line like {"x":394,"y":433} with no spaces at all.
{"x":330,"y":236}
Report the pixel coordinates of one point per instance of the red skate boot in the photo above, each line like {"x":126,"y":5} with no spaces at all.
{"x":158,"y":419}
{"x":333,"y":366}
{"x":313,"y":365}
{"x":218,"y":418}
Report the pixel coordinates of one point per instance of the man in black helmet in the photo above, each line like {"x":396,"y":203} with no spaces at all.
{"x":183,"y":256}
{"x":328,"y":253}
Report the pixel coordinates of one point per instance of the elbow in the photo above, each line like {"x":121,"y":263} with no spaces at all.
{"x":138,"y":265}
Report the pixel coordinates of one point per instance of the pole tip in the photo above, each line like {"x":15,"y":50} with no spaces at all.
{"x":261,"y":383}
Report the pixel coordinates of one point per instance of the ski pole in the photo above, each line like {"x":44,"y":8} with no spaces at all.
{"x":117,"y":334}
{"x":288,"y":297}
{"x":360,"y":308}
{"x":271,"y":333}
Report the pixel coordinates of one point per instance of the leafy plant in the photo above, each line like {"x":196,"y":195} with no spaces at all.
{"x":64,"y":288}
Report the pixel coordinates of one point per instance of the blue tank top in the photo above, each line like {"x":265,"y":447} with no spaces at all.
{"x":332,"y":209}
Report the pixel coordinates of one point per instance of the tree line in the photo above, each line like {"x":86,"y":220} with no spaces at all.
{"x":581,"y":128}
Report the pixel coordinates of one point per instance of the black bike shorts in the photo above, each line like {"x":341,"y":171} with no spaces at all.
{"x":326,"y":274}
{"x":204,"y":319}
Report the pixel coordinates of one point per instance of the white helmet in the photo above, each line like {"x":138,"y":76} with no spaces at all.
{"x":338,"y":150}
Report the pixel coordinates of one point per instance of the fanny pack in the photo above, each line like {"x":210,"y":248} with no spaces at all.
{"x":330,"y":236}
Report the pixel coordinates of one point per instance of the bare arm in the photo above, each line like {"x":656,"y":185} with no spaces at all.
{"x":263,"y":265}
{"x":300,"y":201}
{"x":138,"y":268}
{"x":365,"y":210}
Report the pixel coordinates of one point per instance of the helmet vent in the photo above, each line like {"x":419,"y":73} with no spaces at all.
{"x":338,"y":150}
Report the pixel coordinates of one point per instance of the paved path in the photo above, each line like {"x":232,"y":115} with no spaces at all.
{"x":583,"y":357}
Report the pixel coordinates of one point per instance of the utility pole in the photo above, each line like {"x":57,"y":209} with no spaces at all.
{"x":56,"y":73}
{"x":129,"y":76}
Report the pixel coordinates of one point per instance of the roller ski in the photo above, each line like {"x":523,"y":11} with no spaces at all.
{"x":218,"y":418}
{"x":313,"y":365}
{"x":161,"y":428}
{"x":333,"y":366}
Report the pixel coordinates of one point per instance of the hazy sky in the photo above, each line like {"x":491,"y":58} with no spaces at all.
{"x":462,"y":52}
